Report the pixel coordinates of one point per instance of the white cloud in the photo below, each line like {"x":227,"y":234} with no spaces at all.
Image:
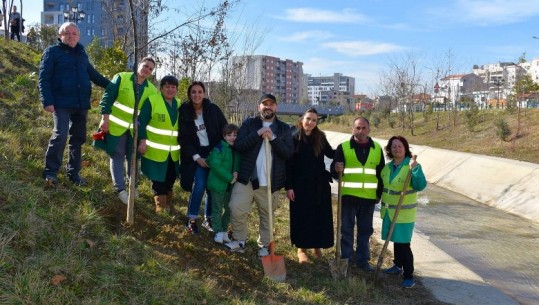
{"x":362,"y":48}
{"x":489,"y":12}
{"x":308,"y":35}
{"x":313,"y":15}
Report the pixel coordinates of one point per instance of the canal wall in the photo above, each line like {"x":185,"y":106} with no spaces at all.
{"x":509,"y":185}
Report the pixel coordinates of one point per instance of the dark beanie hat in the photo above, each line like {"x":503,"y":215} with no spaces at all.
{"x":268,"y":96}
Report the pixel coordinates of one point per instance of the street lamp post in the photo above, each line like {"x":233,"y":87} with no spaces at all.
{"x":74,"y":15}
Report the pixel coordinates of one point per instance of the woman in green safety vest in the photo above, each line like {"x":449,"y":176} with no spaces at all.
{"x":158,"y":142}
{"x":393,"y":177}
{"x":117,"y":108}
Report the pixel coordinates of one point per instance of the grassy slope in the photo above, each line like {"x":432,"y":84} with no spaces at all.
{"x":70,"y":245}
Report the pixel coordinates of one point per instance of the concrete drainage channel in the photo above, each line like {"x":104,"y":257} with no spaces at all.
{"x":468,"y":252}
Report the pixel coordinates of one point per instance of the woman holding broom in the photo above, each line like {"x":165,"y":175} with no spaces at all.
{"x":393,"y":177}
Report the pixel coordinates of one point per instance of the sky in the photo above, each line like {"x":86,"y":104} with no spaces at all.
{"x":361,"y":38}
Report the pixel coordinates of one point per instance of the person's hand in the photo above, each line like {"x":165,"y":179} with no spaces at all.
{"x":413,"y":162}
{"x":235,"y":174}
{"x":104,"y":124}
{"x":49,"y":108}
{"x":339,"y":167}
{"x":265,"y":132}
{"x":202,"y":162}
{"x":142,"y":147}
{"x":290,"y":195}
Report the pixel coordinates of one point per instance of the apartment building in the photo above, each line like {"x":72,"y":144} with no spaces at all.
{"x":108,"y":20}
{"x":334,"y":89}
{"x":267,"y":74}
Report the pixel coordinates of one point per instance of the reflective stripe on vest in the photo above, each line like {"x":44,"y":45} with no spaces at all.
{"x":121,"y":117}
{"x":161,"y":134}
{"x":392,"y":193}
{"x":162,"y":146}
{"x":360,"y":180}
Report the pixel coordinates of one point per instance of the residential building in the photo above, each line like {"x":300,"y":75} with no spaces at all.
{"x":335,"y":89}
{"x":108,"y":20}
{"x":268,"y":74}
{"x":455,"y":88}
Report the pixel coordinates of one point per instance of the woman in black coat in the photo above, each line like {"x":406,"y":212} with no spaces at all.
{"x":200,"y":129}
{"x":308,"y":188}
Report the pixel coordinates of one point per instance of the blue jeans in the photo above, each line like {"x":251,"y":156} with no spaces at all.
{"x":199,"y":188}
{"x":72,"y":123}
{"x":119,"y":160}
{"x":355,"y":209}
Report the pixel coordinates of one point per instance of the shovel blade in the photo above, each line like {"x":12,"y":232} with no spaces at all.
{"x":338,"y":268}
{"x":274,"y":266}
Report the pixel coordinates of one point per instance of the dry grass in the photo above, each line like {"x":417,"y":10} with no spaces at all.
{"x":523,"y":146}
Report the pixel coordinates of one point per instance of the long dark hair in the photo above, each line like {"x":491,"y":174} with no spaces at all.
{"x":316,"y":134}
{"x":191,"y":109}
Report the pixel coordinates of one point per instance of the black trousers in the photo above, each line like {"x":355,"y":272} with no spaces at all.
{"x":163,"y":187}
{"x":404,"y":258}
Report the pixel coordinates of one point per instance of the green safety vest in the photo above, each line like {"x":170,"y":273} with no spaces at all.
{"x":121,"y":117}
{"x":161,"y":134}
{"x":392,"y":193}
{"x":360,"y":180}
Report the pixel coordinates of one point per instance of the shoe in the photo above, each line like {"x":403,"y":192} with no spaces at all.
{"x":395,"y":270}
{"x":236,"y":246}
{"x":51,"y":181}
{"x":191,"y":226}
{"x":207,"y":225}
{"x":302,"y":256}
{"x":226,"y":239}
{"x":408,"y":283}
{"x":124,"y":196}
{"x":367,"y":268}
{"x":263,"y":251}
{"x":219,"y":237}
{"x":78,"y":181}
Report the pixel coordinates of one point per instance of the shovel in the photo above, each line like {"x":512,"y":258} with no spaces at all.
{"x":393,"y":222}
{"x":273,"y":264}
{"x":338,"y":266}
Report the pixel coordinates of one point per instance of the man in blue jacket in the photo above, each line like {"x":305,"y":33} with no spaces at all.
{"x":64,"y":86}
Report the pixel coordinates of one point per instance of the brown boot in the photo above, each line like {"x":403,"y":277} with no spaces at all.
{"x":317,"y":253}
{"x":171,"y":208}
{"x":161,"y":205}
{"x":302,"y":256}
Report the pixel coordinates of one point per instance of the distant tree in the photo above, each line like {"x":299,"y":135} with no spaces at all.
{"x":502,"y":129}
{"x":472,"y":117}
{"x":107,"y":60}
{"x":45,"y":36}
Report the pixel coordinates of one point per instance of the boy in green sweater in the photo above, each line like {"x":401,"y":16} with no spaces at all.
{"x":224,"y":164}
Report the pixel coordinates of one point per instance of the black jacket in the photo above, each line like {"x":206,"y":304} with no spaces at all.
{"x":248,"y":144}
{"x":214,"y":120}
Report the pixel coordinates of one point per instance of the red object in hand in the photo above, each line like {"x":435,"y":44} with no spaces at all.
{"x":99,"y":135}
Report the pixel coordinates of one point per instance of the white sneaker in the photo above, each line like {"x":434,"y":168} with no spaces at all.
{"x":263,"y":251}
{"x":236,"y":246}
{"x":124,"y":197}
{"x":219,"y":237}
{"x":226,"y":239}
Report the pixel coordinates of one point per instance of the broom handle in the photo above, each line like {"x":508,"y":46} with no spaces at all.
{"x":268,"y":180}
{"x":338,"y":244}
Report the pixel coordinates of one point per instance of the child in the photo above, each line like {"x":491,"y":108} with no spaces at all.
{"x":224,"y":164}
